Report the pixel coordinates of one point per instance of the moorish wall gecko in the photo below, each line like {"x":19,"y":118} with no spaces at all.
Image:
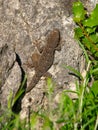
{"x":46,"y":59}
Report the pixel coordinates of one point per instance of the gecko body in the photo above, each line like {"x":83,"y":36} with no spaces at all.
{"x":46,"y":58}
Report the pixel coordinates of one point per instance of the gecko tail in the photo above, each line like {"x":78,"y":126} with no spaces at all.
{"x":33,"y":83}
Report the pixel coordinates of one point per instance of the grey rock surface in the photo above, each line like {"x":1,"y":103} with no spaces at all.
{"x":23,"y":22}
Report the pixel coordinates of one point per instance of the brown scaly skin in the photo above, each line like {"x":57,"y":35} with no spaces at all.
{"x":46,"y":59}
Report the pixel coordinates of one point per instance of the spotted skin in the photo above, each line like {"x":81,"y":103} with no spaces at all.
{"x":46,"y":58}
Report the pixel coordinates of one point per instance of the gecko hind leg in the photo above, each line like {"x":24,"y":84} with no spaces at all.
{"x":47,"y":75}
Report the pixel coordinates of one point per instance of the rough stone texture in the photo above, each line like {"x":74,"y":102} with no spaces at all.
{"x":22,"y":22}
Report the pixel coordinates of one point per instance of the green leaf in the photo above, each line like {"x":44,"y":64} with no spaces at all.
{"x":93,"y":71}
{"x":50,"y":85}
{"x":76,"y":72}
{"x":84,"y":50}
{"x":78,"y":11}
{"x":96,"y":54}
{"x":90,"y":30}
{"x":95,"y":88}
{"x":94,"y":37}
{"x":86,"y":43}
{"x":20,"y":92}
{"x":78,"y":32}
{"x":93,"y":19}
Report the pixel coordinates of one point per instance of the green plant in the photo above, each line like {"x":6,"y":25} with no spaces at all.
{"x":80,"y":113}
{"x":8,"y":119}
{"x":86,"y":33}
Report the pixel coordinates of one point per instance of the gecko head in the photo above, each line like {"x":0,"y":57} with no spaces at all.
{"x":54,"y":38}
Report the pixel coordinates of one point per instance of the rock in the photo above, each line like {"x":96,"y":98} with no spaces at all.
{"x":10,"y":74}
{"x":7,"y":59}
{"x":22,"y":23}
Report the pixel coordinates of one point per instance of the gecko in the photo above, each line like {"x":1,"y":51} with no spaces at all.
{"x":46,"y":59}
